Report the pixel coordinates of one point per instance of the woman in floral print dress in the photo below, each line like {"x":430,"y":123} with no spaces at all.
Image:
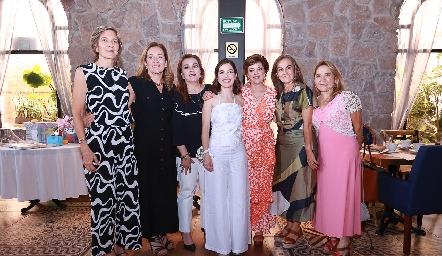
{"x":258,"y":113}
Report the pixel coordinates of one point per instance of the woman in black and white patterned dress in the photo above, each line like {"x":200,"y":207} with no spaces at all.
{"x":107,"y":147}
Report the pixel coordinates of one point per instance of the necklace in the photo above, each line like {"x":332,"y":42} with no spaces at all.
{"x":157,"y":84}
{"x":199,"y":100}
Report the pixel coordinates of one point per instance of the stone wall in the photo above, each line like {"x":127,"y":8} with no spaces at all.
{"x":358,"y":35}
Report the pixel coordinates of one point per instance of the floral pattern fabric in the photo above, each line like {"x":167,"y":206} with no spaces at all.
{"x":260,"y":148}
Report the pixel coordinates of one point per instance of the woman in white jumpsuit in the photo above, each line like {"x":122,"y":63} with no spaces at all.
{"x":227,"y":209}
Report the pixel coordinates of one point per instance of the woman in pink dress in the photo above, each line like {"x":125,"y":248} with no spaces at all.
{"x":338,"y":124}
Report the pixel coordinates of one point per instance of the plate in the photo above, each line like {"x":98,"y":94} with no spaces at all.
{"x":390,"y":152}
{"x":403,"y":148}
{"x":413,"y":151}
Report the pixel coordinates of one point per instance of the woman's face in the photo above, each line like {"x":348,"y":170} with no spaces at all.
{"x":226,"y":75}
{"x":286,"y":71}
{"x":190,"y":70}
{"x":324,"y":79}
{"x":256,"y":73}
{"x":155,"y":60}
{"x":108,"y":45}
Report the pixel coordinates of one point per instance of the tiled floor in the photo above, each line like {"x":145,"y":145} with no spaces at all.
{"x":49,"y":230}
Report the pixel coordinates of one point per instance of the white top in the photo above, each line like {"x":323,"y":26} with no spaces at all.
{"x":226,"y":125}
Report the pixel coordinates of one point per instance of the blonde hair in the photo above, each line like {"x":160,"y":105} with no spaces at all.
{"x":338,"y":87}
{"x":94,"y":43}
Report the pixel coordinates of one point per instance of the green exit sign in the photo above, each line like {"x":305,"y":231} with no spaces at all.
{"x":233,"y":25}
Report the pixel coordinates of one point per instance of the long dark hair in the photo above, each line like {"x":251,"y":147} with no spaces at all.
{"x":182,"y":86}
{"x":279,"y":85}
{"x":167,"y":77}
{"x":216,"y":86}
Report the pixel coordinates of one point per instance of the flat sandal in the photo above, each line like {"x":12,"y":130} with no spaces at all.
{"x":290,"y":243}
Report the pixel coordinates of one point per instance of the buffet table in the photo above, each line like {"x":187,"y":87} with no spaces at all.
{"x":42,"y":174}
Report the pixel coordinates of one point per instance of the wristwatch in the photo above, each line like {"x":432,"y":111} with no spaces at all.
{"x":81,"y":140}
{"x":185,"y":156}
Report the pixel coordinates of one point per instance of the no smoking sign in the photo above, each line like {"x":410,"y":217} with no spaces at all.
{"x":232,"y":50}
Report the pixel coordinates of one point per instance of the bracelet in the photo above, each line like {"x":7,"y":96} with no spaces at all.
{"x":81,"y":140}
{"x":205,"y":151}
{"x":185,"y":156}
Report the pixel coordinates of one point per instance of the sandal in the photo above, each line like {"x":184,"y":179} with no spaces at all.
{"x":331,"y":244}
{"x":168,"y":244}
{"x":345,"y":251}
{"x":281,"y":234}
{"x":290,"y":243}
{"x":258,"y":239}
{"x":156,"y":246}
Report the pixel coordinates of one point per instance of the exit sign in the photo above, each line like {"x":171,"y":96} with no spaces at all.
{"x":233,"y":25}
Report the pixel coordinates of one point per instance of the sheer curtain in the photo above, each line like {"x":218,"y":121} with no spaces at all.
{"x":201,"y":38}
{"x":53,"y":33}
{"x":263,"y":28}
{"x":7,"y":23}
{"x":418,"y":23}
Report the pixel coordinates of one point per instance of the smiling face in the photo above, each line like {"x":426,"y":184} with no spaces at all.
{"x":226,"y":75}
{"x":190,"y":70}
{"x":108,"y":45}
{"x":155,"y":60}
{"x":324,"y":79}
{"x":256,"y":73}
{"x":286,"y":71}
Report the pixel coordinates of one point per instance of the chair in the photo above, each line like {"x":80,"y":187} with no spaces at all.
{"x":370,"y":177}
{"x":420,"y":194}
{"x":400,"y":134}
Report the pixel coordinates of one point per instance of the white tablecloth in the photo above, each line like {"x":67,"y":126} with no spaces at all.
{"x":45,"y":173}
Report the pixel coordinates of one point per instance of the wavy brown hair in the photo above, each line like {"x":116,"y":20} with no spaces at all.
{"x":142,"y":71}
{"x":278,"y":84}
{"x":94,"y":43}
{"x":252,"y":60}
{"x":216,"y":86}
{"x":338,"y":87}
{"x":182,"y":86}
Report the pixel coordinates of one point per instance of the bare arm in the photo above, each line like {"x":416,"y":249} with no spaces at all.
{"x":131,"y":96}
{"x":207,"y":112}
{"x":308,"y":137}
{"x":356,"y":119}
{"x":78,"y":104}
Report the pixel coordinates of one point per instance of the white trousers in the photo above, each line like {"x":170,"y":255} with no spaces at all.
{"x":189,"y":185}
{"x":227,"y":201}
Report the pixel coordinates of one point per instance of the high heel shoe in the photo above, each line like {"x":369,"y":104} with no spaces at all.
{"x":190,"y":247}
{"x":156,"y":246}
{"x":345,"y":251}
{"x":166,"y":242}
{"x":331,"y":244}
{"x":258,"y":239}
{"x":279,"y":236}
{"x":290,"y":243}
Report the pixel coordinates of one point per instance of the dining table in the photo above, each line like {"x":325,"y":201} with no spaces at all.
{"x":378,"y":158}
{"x":42,"y":174}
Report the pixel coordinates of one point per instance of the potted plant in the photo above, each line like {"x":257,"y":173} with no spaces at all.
{"x":31,"y":106}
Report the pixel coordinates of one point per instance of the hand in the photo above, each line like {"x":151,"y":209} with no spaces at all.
{"x":207,"y":95}
{"x":207,"y":162}
{"x":311,"y":160}
{"x":88,"y":157}
{"x":88,"y":119}
{"x":186,"y":165}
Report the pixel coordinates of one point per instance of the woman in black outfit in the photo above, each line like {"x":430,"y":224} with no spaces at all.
{"x":152,"y":111}
{"x":186,"y":123}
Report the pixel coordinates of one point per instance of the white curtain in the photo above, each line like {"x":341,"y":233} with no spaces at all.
{"x":418,"y":23}
{"x":263,"y":28}
{"x":201,"y":33}
{"x":8,"y":9}
{"x":53,"y":33}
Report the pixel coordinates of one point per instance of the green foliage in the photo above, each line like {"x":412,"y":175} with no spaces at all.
{"x":35,"y":78}
{"x":425,"y":114}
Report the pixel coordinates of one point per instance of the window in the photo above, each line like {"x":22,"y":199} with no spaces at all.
{"x":263,"y":31}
